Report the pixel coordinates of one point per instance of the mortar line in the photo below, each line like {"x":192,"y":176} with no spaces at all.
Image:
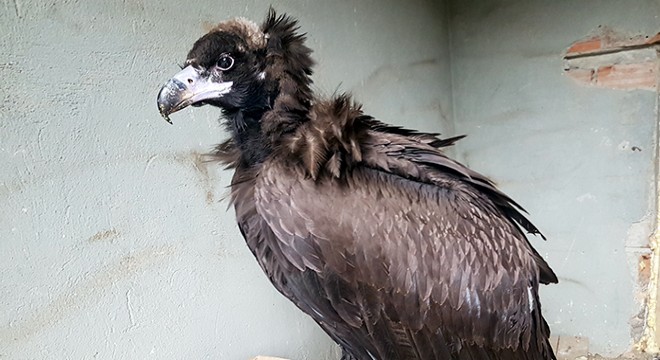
{"x":611,"y":51}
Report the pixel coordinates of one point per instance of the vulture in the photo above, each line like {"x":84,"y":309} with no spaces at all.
{"x":397,"y":251}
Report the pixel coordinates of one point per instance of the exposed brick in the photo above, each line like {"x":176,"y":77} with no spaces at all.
{"x":614,"y":60}
{"x":653,"y":40}
{"x":584,"y":46}
{"x":608,"y":40}
{"x":627,"y":76}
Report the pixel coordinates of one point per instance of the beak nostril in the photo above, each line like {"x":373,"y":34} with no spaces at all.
{"x":190,"y":81}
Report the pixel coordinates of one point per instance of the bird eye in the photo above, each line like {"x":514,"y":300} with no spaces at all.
{"x":225,"y":62}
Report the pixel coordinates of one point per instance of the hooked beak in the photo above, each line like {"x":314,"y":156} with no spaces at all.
{"x":186,"y":88}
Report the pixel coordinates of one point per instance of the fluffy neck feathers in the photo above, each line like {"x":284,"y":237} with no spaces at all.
{"x":288,"y":70}
{"x":285,"y":98}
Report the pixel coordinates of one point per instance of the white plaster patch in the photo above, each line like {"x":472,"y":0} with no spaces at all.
{"x":639,"y":232}
{"x":586,"y":197}
{"x":606,"y":141}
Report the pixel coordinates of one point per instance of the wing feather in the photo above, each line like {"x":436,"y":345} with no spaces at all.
{"x":471,"y":287}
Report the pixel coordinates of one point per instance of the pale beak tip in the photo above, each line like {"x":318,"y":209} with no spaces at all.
{"x":164,"y":112}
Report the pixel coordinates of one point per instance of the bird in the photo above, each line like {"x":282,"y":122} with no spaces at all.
{"x":397,"y":251}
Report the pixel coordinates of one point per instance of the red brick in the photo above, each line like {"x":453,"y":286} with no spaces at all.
{"x":585,"y":46}
{"x":607,"y":41}
{"x":627,"y":76}
{"x":653,"y":40}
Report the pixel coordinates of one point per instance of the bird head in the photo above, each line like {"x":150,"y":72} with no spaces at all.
{"x":241,"y":66}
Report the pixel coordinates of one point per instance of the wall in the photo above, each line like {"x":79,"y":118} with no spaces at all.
{"x":564,"y":151}
{"x":114,"y":237}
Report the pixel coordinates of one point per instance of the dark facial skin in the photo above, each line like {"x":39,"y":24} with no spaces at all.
{"x":220,"y":72}
{"x":213,"y":52}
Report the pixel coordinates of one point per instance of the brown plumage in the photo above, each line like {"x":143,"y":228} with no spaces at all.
{"x":394,"y":249}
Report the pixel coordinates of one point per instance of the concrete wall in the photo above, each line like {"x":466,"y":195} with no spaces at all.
{"x":115,"y":242}
{"x":564,"y":151}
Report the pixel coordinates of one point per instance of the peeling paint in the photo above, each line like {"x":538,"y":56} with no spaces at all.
{"x":610,"y":59}
{"x":649,"y":340}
